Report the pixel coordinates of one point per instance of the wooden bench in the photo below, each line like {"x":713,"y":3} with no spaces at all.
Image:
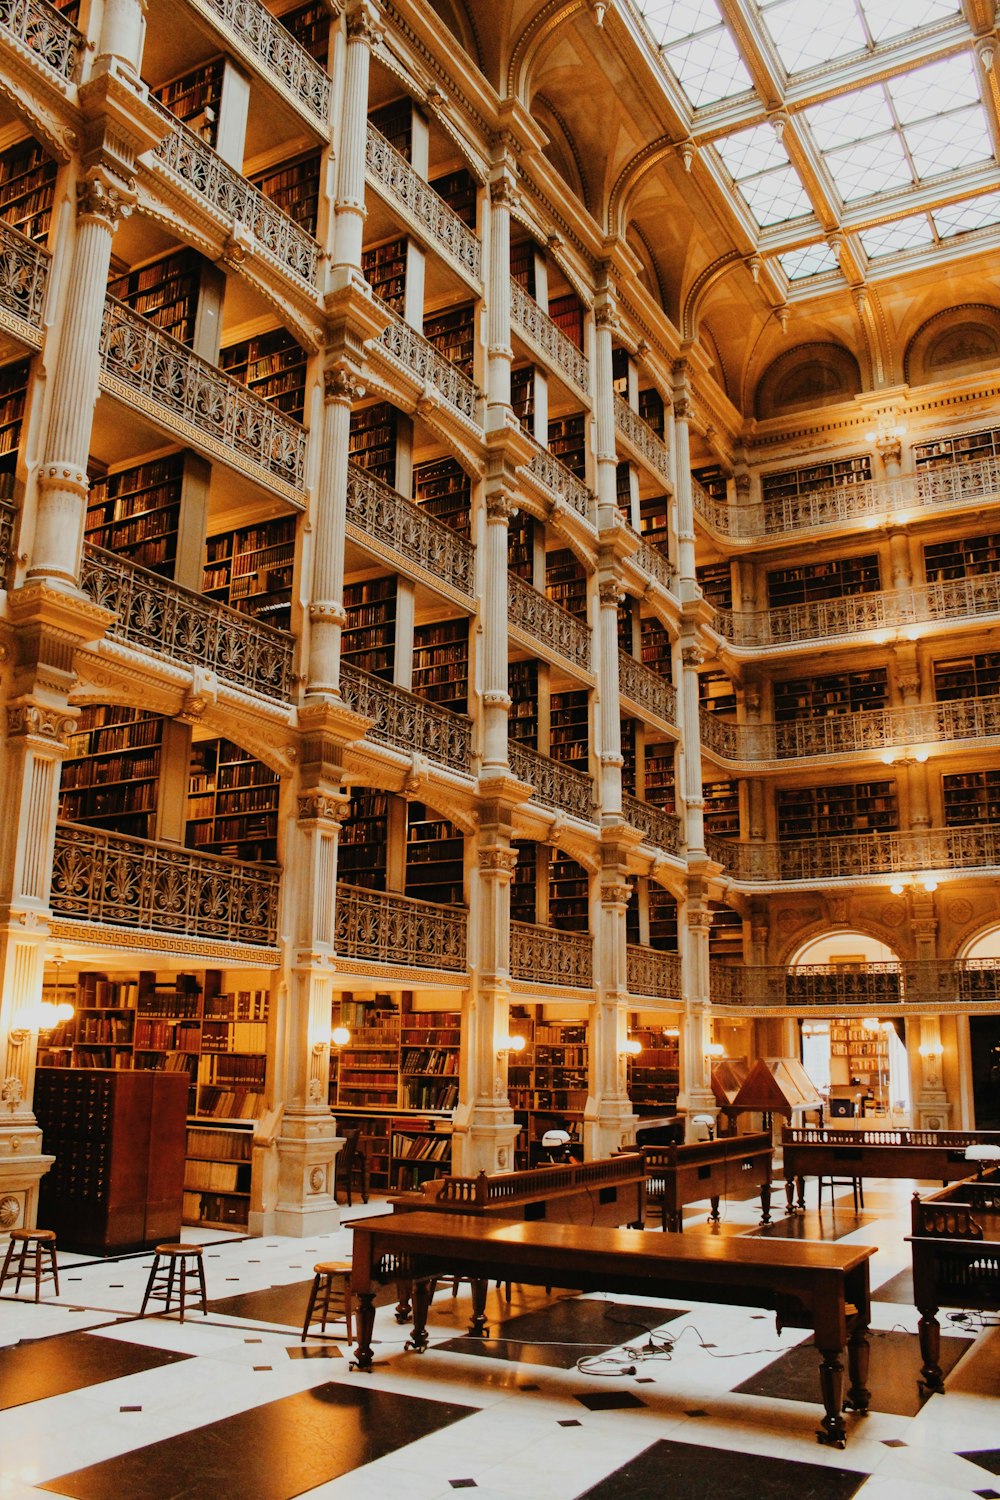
{"x":736,"y":1166}
{"x":925,"y":1155}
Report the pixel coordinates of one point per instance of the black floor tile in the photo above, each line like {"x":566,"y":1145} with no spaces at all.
{"x":610,"y":1401}
{"x":892,"y":1377}
{"x":686,"y":1471}
{"x":38,"y":1368}
{"x":564,"y":1332}
{"x":986,"y":1458}
{"x":283,"y":1305}
{"x":271,"y":1452}
{"x":898,"y":1288}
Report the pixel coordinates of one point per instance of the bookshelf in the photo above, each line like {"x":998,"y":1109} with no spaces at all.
{"x":524,"y":884}
{"x":363,"y":844}
{"x":522,"y":687}
{"x":164,"y":291}
{"x":662,"y":919}
{"x":293,"y":186}
{"x":569,"y":729}
{"x":452,"y":331}
{"x":651,"y":411}
{"x":547,"y":1083}
{"x":857,"y":1051}
{"x":816,"y":812}
{"x":836,"y":579}
{"x":840,"y":473}
{"x":654,"y":519}
{"x":111,"y":771}
{"x":168,"y":1026}
{"x":372,"y":442}
{"x":626,"y":618}
{"x":716,"y":694}
{"x":272,"y":365}
{"x":521,"y":547}
{"x":429,"y":1046}
{"x":716,"y":583}
{"x":963,"y":448}
{"x":654,"y":1076}
{"x":569,"y":894}
{"x":395,"y":121}
{"x":232,"y":803}
{"x":567,"y":442}
{"x":135,"y":512}
{"x":251,"y":568}
{"x":831,"y":693}
{"x":658,"y":776}
{"x":104,"y":1022}
{"x":194,"y":97}
{"x":566,"y":313}
{"x":435,"y":857}
{"x":975,"y":676}
{"x":971,"y":798}
{"x":628,"y":728}
{"x":27,"y":188}
{"x":310,"y":26}
{"x":458,"y":189}
{"x":722,"y":808}
{"x":13,"y":395}
{"x":522,"y":265}
{"x":369,"y":637}
{"x":217,"y":1175}
{"x":962,"y":557}
{"x":441,"y":663}
{"x":655,"y":647}
{"x":623,"y":489}
{"x":620,"y":364}
{"x":713,"y":481}
{"x":232,"y":1067}
{"x":522,"y":394}
{"x":384,"y":268}
{"x":725,"y":936}
{"x":444,"y":490}
{"x":566,"y":581}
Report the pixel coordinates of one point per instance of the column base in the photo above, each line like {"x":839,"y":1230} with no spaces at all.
{"x":611,"y":1127}
{"x":484,"y":1140}
{"x":23,"y":1164}
{"x":303,"y":1203}
{"x":932,"y":1114}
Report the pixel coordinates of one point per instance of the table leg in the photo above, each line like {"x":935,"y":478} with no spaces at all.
{"x":713,"y":1217}
{"x":478,"y":1328}
{"x":929,"y":1330}
{"x":858,"y":1350}
{"x":831,"y":1379}
{"x":801,"y":1182}
{"x":366,"y":1322}
{"x":765,"y":1203}
{"x":421,"y":1302}
{"x":404,"y":1291}
{"x":790,"y":1195}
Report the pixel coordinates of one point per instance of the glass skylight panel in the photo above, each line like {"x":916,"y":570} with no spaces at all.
{"x":902,"y":234}
{"x":697,"y":48}
{"x":875,"y":166}
{"x":759,"y":166}
{"x":675,"y":20}
{"x":887,"y":19}
{"x":807,"y":35}
{"x":811,"y":260}
{"x":755,"y":150}
{"x":964,"y":217}
{"x":850,"y":117}
{"x":948,"y":143}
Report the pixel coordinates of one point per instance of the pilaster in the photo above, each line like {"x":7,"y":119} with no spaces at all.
{"x":696,"y":1095}
{"x":684,"y":495}
{"x":609,"y":1120}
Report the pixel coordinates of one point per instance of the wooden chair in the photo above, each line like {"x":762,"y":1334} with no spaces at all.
{"x":352,"y":1163}
{"x":30,"y":1245}
{"x":856,"y":1183}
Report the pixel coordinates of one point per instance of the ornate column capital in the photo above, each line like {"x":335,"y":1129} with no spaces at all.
{"x":692,"y":656}
{"x":363,"y":24}
{"x":503,"y":192}
{"x":341,"y":384}
{"x":99,"y":198}
{"x":498,"y":862}
{"x":616,"y":893}
{"x":324,"y":807}
{"x":500,"y":508}
{"x":37,"y":721}
{"x":610,"y":592}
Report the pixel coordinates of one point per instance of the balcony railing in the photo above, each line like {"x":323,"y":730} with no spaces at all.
{"x":394,"y":173}
{"x":561,"y":482}
{"x":546,"y":623}
{"x":160,"y":375}
{"x":8,"y":514}
{"x":419,"y":358}
{"x":270,"y":43}
{"x":660,"y":827}
{"x":178,"y":624}
{"x":948,"y":599}
{"x":377,"y":927}
{"x":24,"y":277}
{"x":43,"y":30}
{"x":202,"y":171}
{"x":554,"y":784}
{"x":380,"y":512}
{"x":650,"y":972}
{"x":645,"y":689}
{"x":407,"y":722}
{"x":543,"y":955}
{"x":647,"y":443}
{"x":859,"y":857}
{"x":872,"y":985}
{"x":655,"y":564}
{"x":536,"y":326}
{"x":103,"y":877}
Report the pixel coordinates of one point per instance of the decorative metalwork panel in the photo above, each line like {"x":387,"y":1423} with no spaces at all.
{"x":650,"y":972}
{"x":177,"y":623}
{"x":24,"y":275}
{"x":660,"y":827}
{"x":843,"y":734}
{"x":162,"y":372}
{"x":393,"y":172}
{"x":655,"y":564}
{"x":45,"y":31}
{"x":554,"y":784}
{"x":544,"y":955}
{"x":200,"y":168}
{"x":548,"y":623}
{"x":646,"y":688}
{"x":102,"y":877}
{"x":418,"y":357}
{"x":388,"y":517}
{"x":870,"y":986}
{"x":642,"y":438}
{"x":562,"y":482}
{"x":410,"y":723}
{"x":860,"y":856}
{"x":537,"y":326}
{"x":7,"y":516}
{"x":273,"y":44}
{"x":388,"y":929}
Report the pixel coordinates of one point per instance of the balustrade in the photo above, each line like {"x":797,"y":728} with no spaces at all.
{"x":8,"y":514}
{"x":546,"y":623}
{"x":650,"y":972}
{"x":24,"y":278}
{"x":174,"y":622}
{"x":870,"y":986}
{"x":378,"y":927}
{"x":544,"y":955}
{"x":660,"y":827}
{"x":646,"y":689}
{"x":561,"y":482}
{"x":654,"y":563}
{"x":409,"y":723}
{"x":126,"y":882}
{"x":268,"y":42}
{"x":406,"y":187}
{"x":419,"y":358}
{"x":44,"y":31}
{"x":859,"y":857}
{"x":552,"y":783}
{"x":535,"y":325}
{"x":380,"y":512}
{"x":648,"y":445}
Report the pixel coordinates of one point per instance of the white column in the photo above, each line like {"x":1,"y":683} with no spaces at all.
{"x":694,"y":802}
{"x":696,"y":920}
{"x":362,"y":35}
{"x":326,"y":609}
{"x":610,"y":594}
{"x":604,"y":410}
{"x":496,"y":700}
{"x":499,"y":350}
{"x":609,"y":1120}
{"x":123,"y":30}
{"x":685,"y":499}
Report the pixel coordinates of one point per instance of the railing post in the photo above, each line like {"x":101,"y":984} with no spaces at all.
{"x":363,"y":35}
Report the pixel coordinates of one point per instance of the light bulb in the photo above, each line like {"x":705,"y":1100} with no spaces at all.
{"x":340,"y":1036}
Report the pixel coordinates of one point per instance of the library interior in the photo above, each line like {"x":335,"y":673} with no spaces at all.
{"x":500,"y":648}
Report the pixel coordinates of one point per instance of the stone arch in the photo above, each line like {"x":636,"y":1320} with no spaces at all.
{"x":628,"y":180}
{"x":536,"y":33}
{"x":957,"y":341}
{"x":454,"y":15}
{"x":810,"y":375}
{"x":650,"y":271}
{"x":697,"y":292}
{"x":561,"y":150}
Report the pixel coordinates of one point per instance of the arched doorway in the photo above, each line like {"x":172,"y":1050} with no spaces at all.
{"x":984,"y":1043}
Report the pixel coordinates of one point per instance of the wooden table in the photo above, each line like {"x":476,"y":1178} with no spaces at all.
{"x":955,"y":1245}
{"x":736,"y":1166}
{"x":808,"y":1285}
{"x":927,"y":1155}
{"x":608,"y":1191}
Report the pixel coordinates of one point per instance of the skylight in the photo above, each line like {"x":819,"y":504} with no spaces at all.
{"x":934,"y":227}
{"x":697,"y":48}
{"x":766,"y":179}
{"x":806,"y":36}
{"x":811,"y":260}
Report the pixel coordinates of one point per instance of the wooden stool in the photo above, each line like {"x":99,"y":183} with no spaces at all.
{"x":34,"y":1244}
{"x":180,"y":1264}
{"x":856,"y":1183}
{"x":330,"y":1297}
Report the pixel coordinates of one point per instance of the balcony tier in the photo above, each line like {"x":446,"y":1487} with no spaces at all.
{"x":252,"y":31}
{"x":24,"y":279}
{"x":404,"y":530}
{"x":407,"y":722}
{"x":871,"y":986}
{"x":552,"y":783}
{"x":544,"y":955}
{"x":651,"y":972}
{"x":644,"y":444}
{"x":547,"y":339}
{"x":41,"y":31}
{"x":406,"y":189}
{"x":862,"y":859}
{"x":545,"y":625}
{"x":376,"y":927}
{"x":644,"y":692}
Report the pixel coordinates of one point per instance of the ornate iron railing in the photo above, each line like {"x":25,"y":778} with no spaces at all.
{"x":24,"y":277}
{"x":44,"y":31}
{"x":859,"y":856}
{"x":269,"y":42}
{"x":647,"y":443}
{"x":394,"y":173}
{"x":419,"y":358}
{"x":660,"y":827}
{"x":872,"y":985}
{"x":409,"y":723}
{"x":646,"y":689}
{"x":103,"y":877}
{"x":949,"y":599}
{"x":561,"y":482}
{"x":547,"y":623}
{"x":654,"y":563}
{"x":554,"y":784}
{"x":176,"y":623}
{"x":386,"y":516}
{"x":844,"y":734}
{"x":536,"y":326}
{"x":543,"y":955}
{"x":381,"y":928}
{"x":8,"y":514}
{"x":162,"y":376}
{"x":650,"y":972}
{"x":193,"y":162}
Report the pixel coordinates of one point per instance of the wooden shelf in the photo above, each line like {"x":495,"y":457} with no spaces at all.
{"x":548,"y":1082}
{"x":963,"y":448}
{"x":840,"y":473}
{"x":435,"y":857}
{"x":836,"y":579}
{"x":522,"y":394}
{"x":569,"y":894}
{"x":444,"y":490}
{"x":363,"y":843}
{"x":654,"y":1076}
{"x":658,"y":776}
{"x":459,"y":191}
{"x":566,"y":313}
{"x":164,"y":291}
{"x":568,"y":442}
{"x":135,"y":512}
{"x":452,"y":331}
{"x":369,"y":638}
{"x":960,"y":677}
{"x":522,"y":687}
{"x":962,"y":557}
{"x":663,"y":931}
{"x":566,"y":581}
{"x":522,"y":265}
{"x":569,"y":729}
{"x":716,"y":583}
{"x":652,"y":412}
{"x":232,"y":803}
{"x":722,"y":808}
{"x":815,"y":812}
{"x":310,"y":26}
{"x":441,"y":663}
{"x":194,"y":98}
{"x":110,"y":777}
{"x":395,"y":121}
{"x":372,"y":443}
{"x":521,"y":547}
{"x":293,"y":186}
{"x":251,"y":569}
{"x":27,"y":188}
{"x":970,"y":799}
{"x":273,"y":366}
{"x":13,"y":395}
{"x":384,"y":268}
{"x":832,"y":693}
{"x":716,"y":694}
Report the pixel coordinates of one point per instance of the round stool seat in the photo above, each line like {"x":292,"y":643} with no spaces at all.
{"x":330,"y":1297}
{"x":198,"y":1250}
{"x":31,"y":1252}
{"x":330,"y":1267}
{"x":173,"y":1267}
{"x":43,"y":1236}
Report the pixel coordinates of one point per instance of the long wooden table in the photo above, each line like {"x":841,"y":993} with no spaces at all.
{"x":822,"y":1287}
{"x":608,"y":1191}
{"x":927,"y":1155}
{"x":955,"y":1245}
{"x":735,"y":1166}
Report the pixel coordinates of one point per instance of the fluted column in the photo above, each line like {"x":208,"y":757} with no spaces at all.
{"x":610,"y":594}
{"x":685,"y":499}
{"x":500,"y":511}
{"x":499,"y":350}
{"x":609,"y":1120}
{"x":694,"y":802}
{"x":62,"y":475}
{"x":605,"y":480}
{"x":123,"y":29}
{"x":363,"y":34}
{"x":326,"y":609}
{"x":696,"y":920}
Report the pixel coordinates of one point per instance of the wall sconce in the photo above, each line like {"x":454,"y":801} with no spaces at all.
{"x":916,"y":885}
{"x":339,"y":1036}
{"x":904,"y":757}
{"x":714,"y":1049}
{"x":512,"y":1044}
{"x":931,"y":1050}
{"x":630,"y":1047}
